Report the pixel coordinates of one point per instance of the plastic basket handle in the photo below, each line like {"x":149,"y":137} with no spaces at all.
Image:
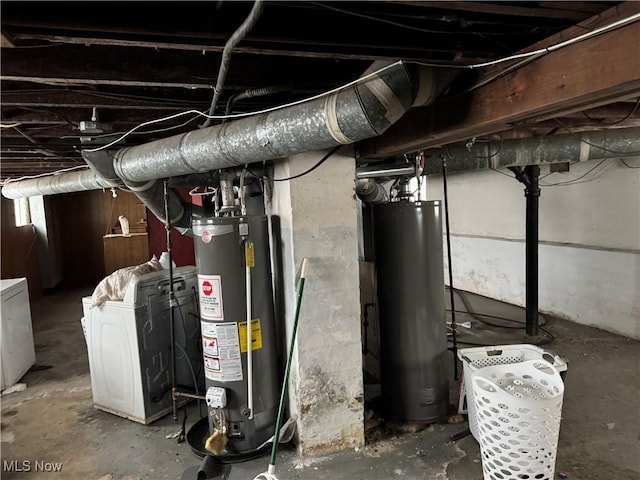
{"x":475,"y":379}
{"x":556,"y":358}
{"x":554,"y":370}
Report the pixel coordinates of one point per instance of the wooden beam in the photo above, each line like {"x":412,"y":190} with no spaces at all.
{"x":71,"y":82}
{"x":500,"y":8}
{"x":301,"y":49}
{"x":5,"y":41}
{"x":140,"y":67}
{"x":68,"y":99}
{"x":594,"y":72}
{"x":607,"y":17}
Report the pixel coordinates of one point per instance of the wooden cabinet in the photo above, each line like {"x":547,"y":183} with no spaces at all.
{"x":121,"y":251}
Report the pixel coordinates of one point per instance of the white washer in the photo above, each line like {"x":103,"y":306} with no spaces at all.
{"x":17,"y":353}
{"x":129,"y":345}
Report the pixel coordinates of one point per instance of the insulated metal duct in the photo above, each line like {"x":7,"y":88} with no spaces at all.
{"x":151,"y":193}
{"x":361,"y":111}
{"x":52,"y":184}
{"x":585,"y":146}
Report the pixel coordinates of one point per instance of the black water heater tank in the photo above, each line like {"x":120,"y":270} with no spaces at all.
{"x":411,"y":307}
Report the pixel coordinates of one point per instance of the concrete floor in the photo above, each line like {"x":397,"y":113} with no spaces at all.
{"x":54,"y":420}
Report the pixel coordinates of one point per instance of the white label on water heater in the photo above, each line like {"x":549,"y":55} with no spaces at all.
{"x":210,"y":295}
{"x":221,"y":348}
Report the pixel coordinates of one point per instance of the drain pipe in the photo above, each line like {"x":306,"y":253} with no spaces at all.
{"x":236,"y":38}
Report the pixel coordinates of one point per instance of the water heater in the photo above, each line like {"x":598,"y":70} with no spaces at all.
{"x":410,"y":287}
{"x":238,"y":329}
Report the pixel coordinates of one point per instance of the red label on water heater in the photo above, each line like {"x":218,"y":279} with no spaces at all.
{"x":210,"y":297}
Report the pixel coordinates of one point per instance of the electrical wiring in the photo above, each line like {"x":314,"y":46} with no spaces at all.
{"x":627,"y":165}
{"x":476,"y":316}
{"x":145,"y":132}
{"x":10,"y":125}
{"x":497,"y":151}
{"x":52,"y":112}
{"x":566,"y":43}
{"x":501,"y":173}
{"x":44,"y":45}
{"x":617,"y":122}
{"x":320,"y":162}
{"x":256,"y":112}
{"x":569,"y":182}
{"x":637,"y":152}
{"x":402,"y":25}
{"x":125,"y":96}
{"x":377,"y":72}
{"x":57,"y":172}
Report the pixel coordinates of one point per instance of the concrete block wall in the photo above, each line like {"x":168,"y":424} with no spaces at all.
{"x":589,"y":253}
{"x":318,"y":220}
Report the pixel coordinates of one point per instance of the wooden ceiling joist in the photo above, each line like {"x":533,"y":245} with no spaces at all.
{"x":597,"y":71}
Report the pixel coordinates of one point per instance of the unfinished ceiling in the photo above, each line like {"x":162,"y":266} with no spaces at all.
{"x":77,"y":74}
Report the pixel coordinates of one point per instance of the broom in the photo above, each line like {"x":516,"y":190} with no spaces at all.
{"x":270,"y":474}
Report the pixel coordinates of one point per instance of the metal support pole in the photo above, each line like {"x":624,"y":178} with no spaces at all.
{"x":532,"y":194}
{"x":172,"y":302}
{"x":529,"y":177}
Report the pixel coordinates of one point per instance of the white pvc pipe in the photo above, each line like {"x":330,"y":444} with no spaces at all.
{"x":249,"y":346}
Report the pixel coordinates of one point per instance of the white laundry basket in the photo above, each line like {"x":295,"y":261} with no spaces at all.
{"x":518,"y":409}
{"x":473,"y":359}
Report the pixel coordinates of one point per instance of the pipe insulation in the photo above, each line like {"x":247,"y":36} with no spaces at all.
{"x":358,"y":112}
{"x":370,"y":191}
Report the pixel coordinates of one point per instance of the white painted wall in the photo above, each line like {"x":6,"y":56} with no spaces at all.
{"x":319,"y":221}
{"x":589,"y":254}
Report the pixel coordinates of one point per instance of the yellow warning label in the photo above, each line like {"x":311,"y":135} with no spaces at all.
{"x":256,"y":335}
{"x":249,"y":255}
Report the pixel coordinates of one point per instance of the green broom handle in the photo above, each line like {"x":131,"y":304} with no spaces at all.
{"x":285,"y":381}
